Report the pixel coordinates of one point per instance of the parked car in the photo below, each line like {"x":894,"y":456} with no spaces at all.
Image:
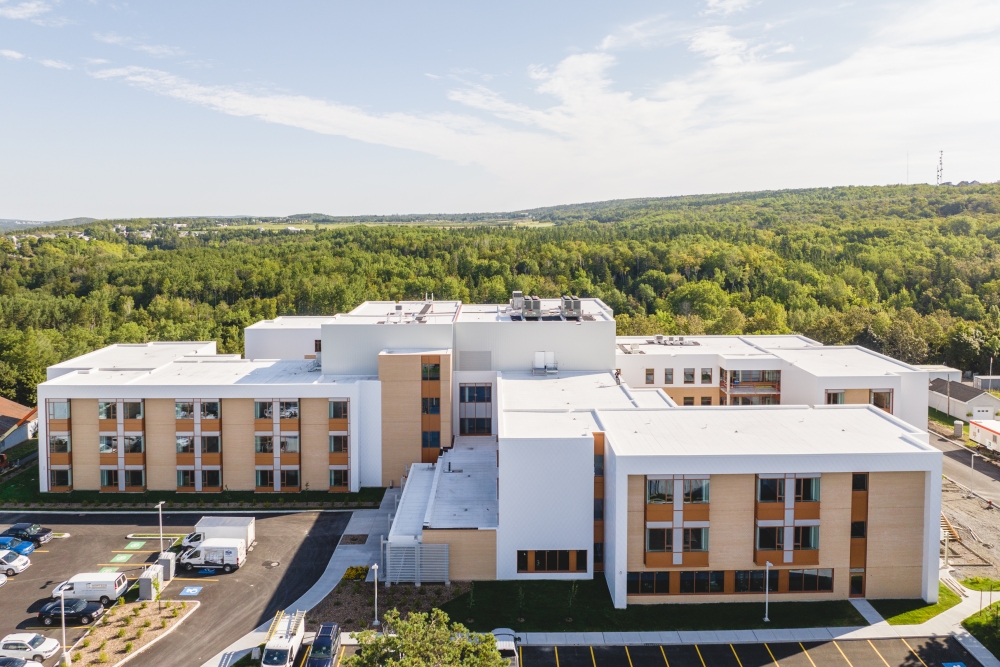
{"x":76,"y":611}
{"x":103,"y":587}
{"x":18,"y":662}
{"x":29,"y":531}
{"x":29,"y":646}
{"x":507,"y":645}
{"x":324,"y":646}
{"x":12,"y":563}
{"x":17,"y":545}
{"x":3,"y":579}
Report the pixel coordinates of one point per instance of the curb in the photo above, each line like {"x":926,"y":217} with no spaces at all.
{"x":169,"y":630}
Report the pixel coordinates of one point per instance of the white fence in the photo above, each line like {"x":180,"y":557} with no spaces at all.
{"x":417,"y":563}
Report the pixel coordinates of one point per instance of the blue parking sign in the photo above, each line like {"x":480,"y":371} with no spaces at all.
{"x":191,"y":590}
{"x":952,"y":664}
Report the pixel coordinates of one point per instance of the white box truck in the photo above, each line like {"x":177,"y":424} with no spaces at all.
{"x":103,"y":587}
{"x":217,"y":553}
{"x":284,"y":639}
{"x":230,"y":527}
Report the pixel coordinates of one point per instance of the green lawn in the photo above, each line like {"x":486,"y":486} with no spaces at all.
{"x":24,"y":489}
{"x":942,"y":418}
{"x":546,"y":607}
{"x":913,"y":612}
{"x":982,"y":584}
{"x":17,"y":451}
{"x":984,"y":627}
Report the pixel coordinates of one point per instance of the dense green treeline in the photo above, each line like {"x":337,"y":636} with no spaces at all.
{"x":912,"y":271}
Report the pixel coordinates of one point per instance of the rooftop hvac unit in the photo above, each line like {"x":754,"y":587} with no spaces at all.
{"x":517,"y":300}
{"x":532,"y":309}
{"x":659,"y":339}
{"x":570,"y":308}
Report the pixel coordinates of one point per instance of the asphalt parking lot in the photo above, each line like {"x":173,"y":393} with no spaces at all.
{"x":292,"y":552}
{"x":908,"y":652}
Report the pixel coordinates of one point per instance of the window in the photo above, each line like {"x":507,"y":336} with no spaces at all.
{"x":752,"y":581}
{"x":338,"y":409}
{"x":659,"y":491}
{"x":668,"y":376}
{"x":695,"y":539}
{"x":522,"y":561}
{"x":581,"y":560}
{"x":59,"y":444}
{"x":263,"y":444}
{"x":185,"y":444}
{"x":834,"y":398}
{"x":430,"y":406}
{"x":770,"y":538}
{"x":770,"y":490}
{"x":598,"y":552}
{"x":706,"y":376}
{"x":810,"y":580}
{"x":806,"y":538}
{"x":185,"y":479}
{"x":211,"y":479}
{"x":132,"y":410}
{"x":338,"y":477}
{"x":475,"y":393}
{"x":647,"y":583}
{"x":135,"y":478}
{"x":649,"y":375}
{"x":183,"y":410}
{"x":59,"y":478}
{"x":696,"y":490}
{"x":859,"y":529}
{"x":475,"y":426}
{"x":289,"y":445}
{"x":807,"y":490}
{"x":706,"y":400}
{"x":262,"y":409}
{"x":134,"y":445}
{"x":288,"y":409}
{"x":107,"y":410}
{"x":289,"y":478}
{"x":338,"y":444}
{"x":703,"y":582}
{"x":882,"y":400}
{"x":265,"y":478}
{"x":859,"y":481}
{"x":108,"y":444}
{"x":210,"y":410}
{"x":58,"y":409}
{"x":857,"y":582}
{"x":688,"y":376}
{"x":552,"y":561}
{"x":211,"y":444}
{"x":598,"y":509}
{"x":659,"y":539}
{"x":430,"y":371}
{"x":689,"y":400}
{"x":109,"y":478}
{"x":430,"y":439}
{"x":598,"y":465}
{"x":317,"y":346}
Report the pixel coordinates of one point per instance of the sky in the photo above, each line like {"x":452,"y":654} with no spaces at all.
{"x":128,"y":109}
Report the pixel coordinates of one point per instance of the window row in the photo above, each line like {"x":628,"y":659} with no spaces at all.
{"x":714,"y":581}
{"x":662,"y":539}
{"x":209,"y":444}
{"x":475,"y":426}
{"x":689,"y":375}
{"x":187,"y":444}
{"x":209,"y":479}
{"x":186,"y":410}
{"x":286,"y":409}
{"x":430,"y":372}
{"x":661,"y":491}
{"x":475,"y":393}
{"x":689,"y":400}
{"x":131,"y":477}
{"x":805,"y":538}
{"x":131,"y":444}
{"x":552,"y":561}
{"x":289,"y":478}
{"x":287,"y":444}
{"x":773,"y":490}
{"x":738,"y":377}
{"x":109,"y":410}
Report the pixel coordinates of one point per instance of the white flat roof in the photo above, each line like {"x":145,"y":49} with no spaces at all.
{"x":137,"y":356}
{"x":384,"y":312}
{"x":408,"y":523}
{"x":843,"y":361}
{"x":727,"y":346}
{"x":566,"y":391}
{"x":465,"y":494}
{"x":592,"y":310}
{"x":294,"y":322}
{"x":651,"y":398}
{"x":576,"y":424}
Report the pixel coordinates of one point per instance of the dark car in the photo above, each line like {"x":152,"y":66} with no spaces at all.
{"x":325,"y":646}
{"x":30,"y":531}
{"x":76,"y":610}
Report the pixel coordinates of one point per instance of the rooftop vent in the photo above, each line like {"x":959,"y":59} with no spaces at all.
{"x":570,"y":307}
{"x":532,"y":308}
{"x":517,"y":300}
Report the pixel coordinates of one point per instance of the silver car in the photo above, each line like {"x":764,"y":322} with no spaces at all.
{"x":12,"y":563}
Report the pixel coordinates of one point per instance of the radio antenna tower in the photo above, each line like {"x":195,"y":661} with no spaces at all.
{"x":940,"y":169}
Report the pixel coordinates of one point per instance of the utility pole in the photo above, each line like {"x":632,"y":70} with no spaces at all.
{"x":940,"y":168}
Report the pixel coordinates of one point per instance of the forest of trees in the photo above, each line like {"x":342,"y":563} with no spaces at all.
{"x":910,"y":271}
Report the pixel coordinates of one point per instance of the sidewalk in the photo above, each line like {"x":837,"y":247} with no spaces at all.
{"x":375,"y":524}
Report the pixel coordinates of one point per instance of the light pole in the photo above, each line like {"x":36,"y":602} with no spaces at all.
{"x":62,"y":606}
{"x":159,"y":506}
{"x":767,"y":588}
{"x":375,"y":569}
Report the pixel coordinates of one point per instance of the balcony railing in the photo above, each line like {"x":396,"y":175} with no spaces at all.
{"x":750,"y":388}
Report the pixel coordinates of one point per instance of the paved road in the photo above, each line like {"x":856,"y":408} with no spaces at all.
{"x":911,"y":652}
{"x":292,"y":552}
{"x":984,"y":480}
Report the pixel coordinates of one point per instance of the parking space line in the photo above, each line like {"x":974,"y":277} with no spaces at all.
{"x":40,"y":551}
{"x":556,"y":648}
{"x":913,"y":652}
{"x":772,"y":655}
{"x":594,"y":660}
{"x":735,"y":655}
{"x":627,"y":656}
{"x":192,"y":579}
{"x":884,"y":661}
{"x":699,"y":656}
{"x":664,"y":658}
{"x":520,"y":651}
{"x":807,"y":654}
{"x":842,"y":653}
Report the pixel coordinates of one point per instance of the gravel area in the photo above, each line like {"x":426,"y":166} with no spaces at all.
{"x":352,"y":603}
{"x":141,"y":625}
{"x":977,"y":555}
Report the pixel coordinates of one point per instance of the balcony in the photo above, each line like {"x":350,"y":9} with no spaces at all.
{"x":806,"y":510}
{"x":696,"y":511}
{"x":185,"y":458}
{"x":770,"y":511}
{"x":263,"y":459}
{"x":60,"y":426}
{"x":135,"y":459}
{"x":133,"y":425}
{"x":211,"y":459}
{"x":184,"y":425}
{"x":265,"y":425}
{"x":60,"y":458}
{"x":338,"y":424}
{"x":660,"y":512}
{"x":338,"y":458}
{"x":750,"y":388}
{"x":104,"y":425}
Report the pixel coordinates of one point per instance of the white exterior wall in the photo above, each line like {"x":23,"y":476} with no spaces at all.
{"x":353,"y":349}
{"x":578,"y":346}
{"x":369,"y":435}
{"x":465,"y":377}
{"x":987,"y":405}
{"x":546,"y":501}
{"x":910,"y":406}
{"x":615,"y":523}
{"x":280,"y":343}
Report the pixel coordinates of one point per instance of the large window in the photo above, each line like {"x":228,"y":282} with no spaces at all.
{"x":109,"y":478}
{"x":882,"y":400}
{"x":183,"y":410}
{"x":338,"y":478}
{"x":696,"y":491}
{"x":834,"y":398}
{"x":289,"y":444}
{"x":288,"y":409}
{"x":211,"y":444}
{"x":134,"y":444}
{"x":338,"y":409}
{"x":647,"y":583}
{"x":135,"y":478}
{"x":108,"y":444}
{"x":60,"y":478}
{"x":859,"y":481}
{"x":185,"y":479}
{"x":770,"y":538}
{"x":59,"y":444}
{"x":598,"y":509}
{"x":695,"y":539}
{"x":185,"y":445}
{"x":338,"y":444}
{"x":430,"y":371}
{"x":659,"y":539}
{"x":263,"y":444}
{"x":475,"y":393}
{"x":430,"y":439}
{"x":430,"y":406}
{"x":703,"y":582}
{"x":262,"y":409}
{"x":806,"y":538}
{"x":688,"y":376}
{"x":770,"y":490}
{"x":650,"y":373}
{"x":107,"y":410}
{"x":859,"y":529}
{"x":289,"y":478}
{"x":132,"y":410}
{"x":807,"y":490}
{"x":265,"y":478}
{"x":706,"y":376}
{"x":475,"y":409}
{"x":552,"y":561}
{"x":58,"y":409}
{"x":752,"y":581}
{"x":810,"y":580}
{"x":211,"y":479}
{"x":659,"y":491}
{"x":210,"y":410}
{"x":475,"y":426}
{"x":668,"y":376}
{"x":598,"y":465}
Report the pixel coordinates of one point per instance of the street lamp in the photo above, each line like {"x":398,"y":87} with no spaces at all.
{"x":375,"y":569}
{"x":159,"y":506}
{"x":62,"y":606}
{"x":767,"y":588}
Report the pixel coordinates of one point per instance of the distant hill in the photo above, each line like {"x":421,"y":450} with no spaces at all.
{"x":12,"y":225}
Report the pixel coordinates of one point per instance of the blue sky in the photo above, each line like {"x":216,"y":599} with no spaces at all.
{"x":119,"y":109}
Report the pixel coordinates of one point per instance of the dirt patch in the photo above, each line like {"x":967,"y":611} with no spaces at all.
{"x":354,"y":539}
{"x":978,"y":524}
{"x":352,"y":603}
{"x":142,"y":622}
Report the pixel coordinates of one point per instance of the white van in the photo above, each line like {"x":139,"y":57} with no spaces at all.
{"x":218,"y":553}
{"x":103,"y":587}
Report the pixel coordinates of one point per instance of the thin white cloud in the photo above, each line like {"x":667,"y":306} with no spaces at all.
{"x":156,"y":50}
{"x":96,"y":61}
{"x":12,"y":55}
{"x":23,"y":10}
{"x":55,"y":64}
{"x":726,"y":7}
{"x":652,"y":31}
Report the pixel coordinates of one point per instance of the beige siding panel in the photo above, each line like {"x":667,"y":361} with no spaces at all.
{"x":856,"y":396}
{"x":161,"y":444}
{"x":314,"y":443}
{"x":237,"y":444}
{"x":85,"y":443}
{"x":697,"y":391}
{"x":401,"y":425}
{"x":472,"y":554}
{"x":731,"y":523}
{"x":895,"y":534}
{"x":446,"y":434}
{"x":835,"y":529}
{"x":636,"y":544}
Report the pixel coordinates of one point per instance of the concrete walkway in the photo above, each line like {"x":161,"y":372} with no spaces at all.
{"x":371,"y":522}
